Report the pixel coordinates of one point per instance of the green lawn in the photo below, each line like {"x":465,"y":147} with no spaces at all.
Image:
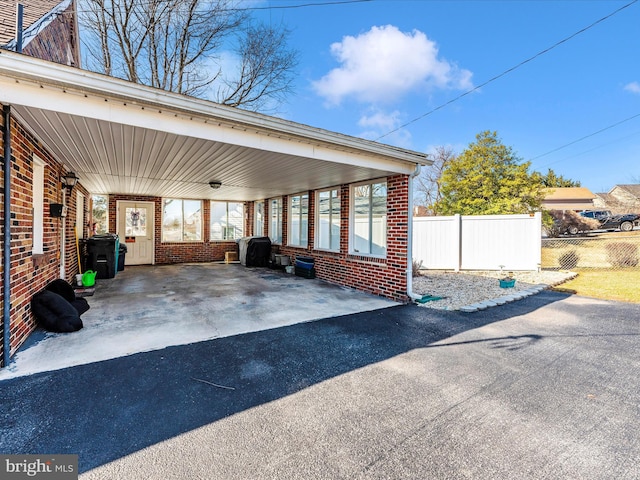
{"x":620,"y":284}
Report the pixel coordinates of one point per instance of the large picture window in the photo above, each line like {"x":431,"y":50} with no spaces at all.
{"x":368,"y":217}
{"x":298,"y":220}
{"x":258,"y":218}
{"x":275,"y":220}
{"x":227,"y":220}
{"x":181,"y":220}
{"x":328,"y":219}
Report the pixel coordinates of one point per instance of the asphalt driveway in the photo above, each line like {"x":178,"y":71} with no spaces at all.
{"x":544,"y":388}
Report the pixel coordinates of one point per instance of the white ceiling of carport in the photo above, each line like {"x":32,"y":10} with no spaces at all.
{"x":124,"y":138}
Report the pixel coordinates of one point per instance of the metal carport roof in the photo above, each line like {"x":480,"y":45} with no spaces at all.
{"x":121,"y":137}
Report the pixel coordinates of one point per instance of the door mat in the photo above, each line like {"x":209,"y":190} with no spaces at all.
{"x":84,"y":292}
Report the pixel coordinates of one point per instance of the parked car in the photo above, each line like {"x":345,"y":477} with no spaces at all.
{"x":608,"y":221}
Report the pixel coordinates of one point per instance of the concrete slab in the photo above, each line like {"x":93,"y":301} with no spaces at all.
{"x":152,"y":307}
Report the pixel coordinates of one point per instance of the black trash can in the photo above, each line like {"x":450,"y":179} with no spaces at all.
{"x":122,"y":252}
{"x":102,"y":255}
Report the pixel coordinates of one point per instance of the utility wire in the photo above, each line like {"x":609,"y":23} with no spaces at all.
{"x":524,"y":62}
{"x":587,"y":136}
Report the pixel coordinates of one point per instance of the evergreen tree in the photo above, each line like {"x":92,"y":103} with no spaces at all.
{"x":488,"y":178}
{"x":552,"y":180}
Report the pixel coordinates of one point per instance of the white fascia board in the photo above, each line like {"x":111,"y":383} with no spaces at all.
{"x":34,"y":83}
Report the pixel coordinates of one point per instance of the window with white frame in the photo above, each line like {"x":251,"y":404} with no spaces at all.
{"x":181,"y":220}
{"x":368,"y":219}
{"x":227,"y":220}
{"x":38,"y":206}
{"x":258,"y":218}
{"x":275,"y":220}
{"x":79,"y":215}
{"x":100,"y":214}
{"x":298,"y":220}
{"x":328,"y":219}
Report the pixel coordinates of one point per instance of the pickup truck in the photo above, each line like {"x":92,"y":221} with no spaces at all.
{"x":608,"y":221}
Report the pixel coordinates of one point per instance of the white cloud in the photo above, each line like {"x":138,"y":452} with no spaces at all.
{"x":383,"y":64}
{"x":379,"y":123}
{"x":633,"y":87}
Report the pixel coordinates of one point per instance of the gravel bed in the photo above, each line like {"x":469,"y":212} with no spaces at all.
{"x":471,"y":287}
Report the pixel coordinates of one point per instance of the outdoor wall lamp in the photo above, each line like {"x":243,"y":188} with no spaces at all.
{"x":215,"y":184}
{"x":69,"y":180}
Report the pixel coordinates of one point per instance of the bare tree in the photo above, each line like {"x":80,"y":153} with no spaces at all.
{"x":265,"y":68}
{"x":178,"y":45}
{"x":428,"y":182}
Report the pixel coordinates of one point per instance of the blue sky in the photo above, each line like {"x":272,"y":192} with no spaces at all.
{"x":368,"y":68}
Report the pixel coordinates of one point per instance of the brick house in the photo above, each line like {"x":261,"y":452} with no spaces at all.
{"x":184,"y":178}
{"x":50,"y":32}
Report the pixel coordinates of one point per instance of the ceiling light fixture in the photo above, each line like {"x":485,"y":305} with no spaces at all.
{"x":215,"y":184}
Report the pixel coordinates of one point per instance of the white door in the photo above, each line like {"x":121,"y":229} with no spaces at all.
{"x":135,"y":230}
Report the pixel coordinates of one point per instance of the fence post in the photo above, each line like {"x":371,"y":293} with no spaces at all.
{"x":457,"y":235}
{"x":538,"y":236}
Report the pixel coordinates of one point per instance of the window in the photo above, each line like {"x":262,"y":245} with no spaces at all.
{"x":275,"y":220}
{"x":227,"y":220}
{"x":79,"y":215}
{"x":99,"y":214}
{"x":298,"y":220}
{"x":368,"y":234}
{"x":135,"y":222}
{"x":258,"y":218}
{"x":181,"y":220}
{"x":328,"y":219}
{"x":38,"y":206}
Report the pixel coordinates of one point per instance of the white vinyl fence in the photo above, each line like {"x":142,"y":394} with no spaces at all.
{"x":478,"y":242}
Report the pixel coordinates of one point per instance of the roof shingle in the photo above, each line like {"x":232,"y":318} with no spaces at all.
{"x":34,"y":10}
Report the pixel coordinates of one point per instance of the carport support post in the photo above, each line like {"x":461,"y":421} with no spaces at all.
{"x":6,"y":259}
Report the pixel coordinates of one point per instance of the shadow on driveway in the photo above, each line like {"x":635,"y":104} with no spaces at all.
{"x":107,"y":410}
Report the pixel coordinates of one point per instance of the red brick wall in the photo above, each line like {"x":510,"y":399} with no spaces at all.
{"x":58,"y":41}
{"x":179,"y":252}
{"x":385,"y":277}
{"x":29,"y":272}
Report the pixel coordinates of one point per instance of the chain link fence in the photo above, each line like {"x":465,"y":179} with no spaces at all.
{"x":611,"y":252}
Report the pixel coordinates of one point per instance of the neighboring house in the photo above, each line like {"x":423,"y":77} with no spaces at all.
{"x":50,"y":30}
{"x":605,"y":201}
{"x":620,"y":199}
{"x":420,"y":211}
{"x":178,"y":173}
{"x":628,"y":197}
{"x":568,"y":198}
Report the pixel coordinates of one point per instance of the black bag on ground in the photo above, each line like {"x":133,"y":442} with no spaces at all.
{"x":66,"y":291}
{"x":54,"y":313}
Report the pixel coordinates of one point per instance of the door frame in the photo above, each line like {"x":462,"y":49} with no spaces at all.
{"x":152,"y":205}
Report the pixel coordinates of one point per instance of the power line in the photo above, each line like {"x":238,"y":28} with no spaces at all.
{"x":587,"y":136}
{"x":524,"y":62}
{"x":591,"y":149}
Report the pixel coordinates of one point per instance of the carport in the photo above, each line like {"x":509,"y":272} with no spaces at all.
{"x":132,"y":142}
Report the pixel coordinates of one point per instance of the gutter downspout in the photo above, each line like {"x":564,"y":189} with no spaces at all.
{"x":413,"y":296}
{"x":6,"y":258}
